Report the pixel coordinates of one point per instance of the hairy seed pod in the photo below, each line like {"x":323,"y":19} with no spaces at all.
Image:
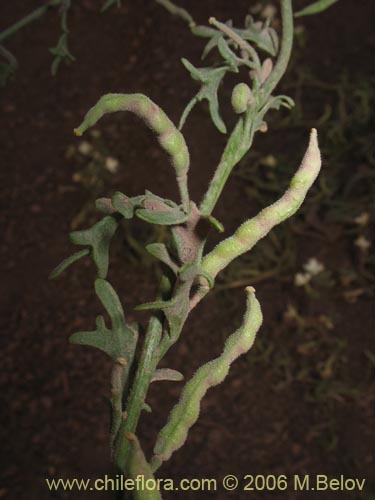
{"x":251,"y":231}
{"x":186,"y":411}
{"x":169,"y":136}
{"x":242,"y":98}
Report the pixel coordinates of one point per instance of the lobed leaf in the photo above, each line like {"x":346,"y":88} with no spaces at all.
{"x":119,"y":342}
{"x":98,"y":237}
{"x":210,"y":79}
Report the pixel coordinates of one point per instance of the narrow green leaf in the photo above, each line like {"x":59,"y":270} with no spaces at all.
{"x":215,"y":223}
{"x":67,"y":262}
{"x":315,"y":8}
{"x":159,"y":251}
{"x":158,"y":304}
{"x":228,"y":55}
{"x":170,"y":218}
{"x":167,"y":374}
{"x":111,"y":302}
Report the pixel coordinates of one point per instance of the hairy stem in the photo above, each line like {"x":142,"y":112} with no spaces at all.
{"x":251,"y":231}
{"x":238,"y":144}
{"x":285,"y":50}
{"x":146,"y":368}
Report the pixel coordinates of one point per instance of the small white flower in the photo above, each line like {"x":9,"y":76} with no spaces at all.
{"x":362,"y":219}
{"x":85,"y":148}
{"x":313,"y":267}
{"x":362,"y":243}
{"x":111,"y":164}
{"x":301,"y":279}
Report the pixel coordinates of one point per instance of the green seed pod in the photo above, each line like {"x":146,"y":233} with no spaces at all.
{"x":186,"y":411}
{"x":170,"y":137}
{"x":242,"y":98}
{"x":251,"y":231}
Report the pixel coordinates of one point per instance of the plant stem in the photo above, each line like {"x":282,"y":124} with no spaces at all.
{"x":237,"y":145}
{"x":147,"y":365}
{"x":285,"y":50}
{"x":177,"y":11}
{"x":35,"y":14}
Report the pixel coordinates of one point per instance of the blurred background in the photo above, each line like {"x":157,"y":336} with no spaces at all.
{"x":302,"y":400}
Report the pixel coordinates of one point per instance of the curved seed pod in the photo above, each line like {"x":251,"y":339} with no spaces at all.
{"x":249,"y":233}
{"x":170,"y":138}
{"x":242,"y":98}
{"x":186,"y":411}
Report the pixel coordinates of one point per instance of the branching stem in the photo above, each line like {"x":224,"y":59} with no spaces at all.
{"x":35,"y":14}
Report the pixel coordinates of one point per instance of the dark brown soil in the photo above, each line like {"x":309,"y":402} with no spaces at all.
{"x":263,"y":419}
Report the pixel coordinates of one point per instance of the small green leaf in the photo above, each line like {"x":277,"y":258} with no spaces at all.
{"x":167,"y":374}
{"x":315,"y":8}
{"x":228,"y":55}
{"x":118,"y":342}
{"x":147,"y":408}
{"x":105,"y":206}
{"x":67,"y":262}
{"x":170,"y":218}
{"x":123,"y":204}
{"x":210,"y":79}
{"x":263,"y":36}
{"x":215,"y":223}
{"x":159,"y":251}
{"x":158,"y":304}
{"x":98,"y":237}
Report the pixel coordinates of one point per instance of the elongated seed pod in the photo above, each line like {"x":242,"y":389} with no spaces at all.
{"x":186,"y":411}
{"x":169,"y":136}
{"x":251,"y":231}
